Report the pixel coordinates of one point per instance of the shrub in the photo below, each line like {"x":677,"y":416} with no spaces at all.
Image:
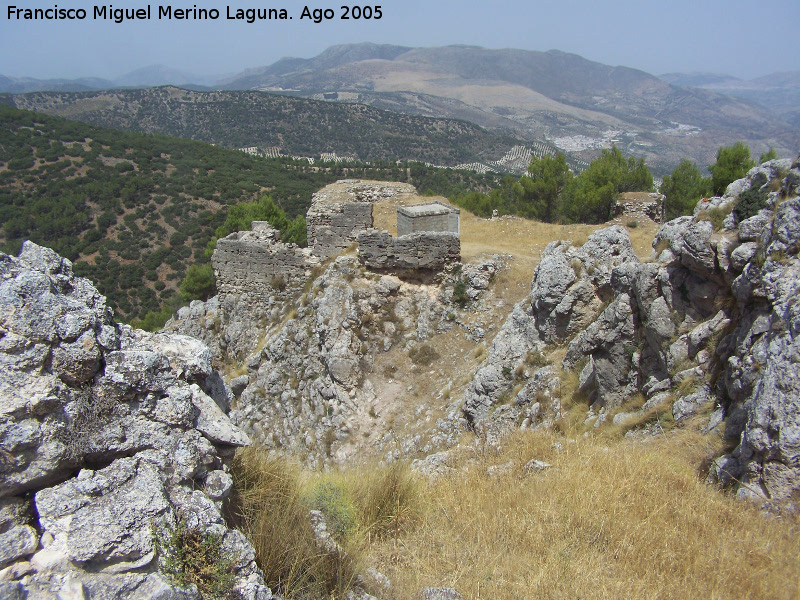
{"x":751,"y":201}
{"x":716,"y":215}
{"x":193,"y":557}
{"x":199,"y":283}
{"x":267,"y":504}
{"x":333,"y":501}
{"x":423,"y":355}
{"x":278,"y":282}
{"x":460,"y":296}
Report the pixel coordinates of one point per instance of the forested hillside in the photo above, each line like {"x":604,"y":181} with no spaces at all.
{"x":135,"y":211}
{"x":300,"y":127}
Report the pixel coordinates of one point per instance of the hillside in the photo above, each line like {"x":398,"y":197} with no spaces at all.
{"x":778,"y":92}
{"x":545,"y":94}
{"x":299,"y":127}
{"x":542,"y":418}
{"x":596,"y":404}
{"x":134,"y":211}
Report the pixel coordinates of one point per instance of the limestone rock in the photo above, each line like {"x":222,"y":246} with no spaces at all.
{"x":78,"y":389}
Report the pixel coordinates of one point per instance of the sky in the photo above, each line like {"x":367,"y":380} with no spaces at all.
{"x":743,"y":38}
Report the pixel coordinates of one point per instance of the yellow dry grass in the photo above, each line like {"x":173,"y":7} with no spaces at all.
{"x":610,"y":520}
{"x":523,"y":239}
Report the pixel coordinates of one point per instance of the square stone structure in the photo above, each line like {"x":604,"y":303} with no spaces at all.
{"x":434,"y":216}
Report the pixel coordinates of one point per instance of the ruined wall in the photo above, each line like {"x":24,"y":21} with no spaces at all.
{"x":426,"y":250}
{"x":257,"y":263}
{"x":333,"y":226}
{"x":638,"y":206}
{"x":340,"y":211}
{"x":435,"y":216}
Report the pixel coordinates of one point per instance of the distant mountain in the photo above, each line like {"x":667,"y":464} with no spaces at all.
{"x":157,"y":75}
{"x":700,"y":79}
{"x":578,"y":104}
{"x":152,"y":76}
{"x":22,"y":85}
{"x":778,"y":92}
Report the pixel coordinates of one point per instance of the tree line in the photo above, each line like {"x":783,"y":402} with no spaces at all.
{"x":551,"y":192}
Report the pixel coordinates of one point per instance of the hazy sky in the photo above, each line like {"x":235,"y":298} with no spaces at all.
{"x":745,"y":38}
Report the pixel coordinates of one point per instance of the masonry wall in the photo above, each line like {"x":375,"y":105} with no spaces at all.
{"x":258,"y":263}
{"x":332,"y":227}
{"x":441,"y":217}
{"x":426,"y":250}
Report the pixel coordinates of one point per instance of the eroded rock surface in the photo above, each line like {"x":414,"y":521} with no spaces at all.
{"x":712,"y":320}
{"x":107,"y":435}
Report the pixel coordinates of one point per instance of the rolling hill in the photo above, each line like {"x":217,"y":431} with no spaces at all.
{"x":299,"y":127}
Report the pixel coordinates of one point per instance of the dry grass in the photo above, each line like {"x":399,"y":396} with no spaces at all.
{"x":609,"y":520}
{"x":268,"y":506}
{"x":271,"y":502}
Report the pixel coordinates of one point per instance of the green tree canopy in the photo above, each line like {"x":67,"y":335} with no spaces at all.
{"x":241,"y":216}
{"x":683,"y":189}
{"x":199,"y":283}
{"x":733,"y":162}
{"x":768,"y":155}
{"x":591,"y":198}
{"x":537,"y":195}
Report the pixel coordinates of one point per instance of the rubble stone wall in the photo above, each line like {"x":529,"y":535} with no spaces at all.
{"x":257,"y":263}
{"x":334,"y":226}
{"x":426,"y":250}
{"x":437,"y":216}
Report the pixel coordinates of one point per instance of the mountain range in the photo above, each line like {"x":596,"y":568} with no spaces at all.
{"x":573,"y":103}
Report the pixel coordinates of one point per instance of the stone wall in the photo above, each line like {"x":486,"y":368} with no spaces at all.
{"x":257,"y":263}
{"x":434,"y":216}
{"x":340,"y":211}
{"x":639,"y":206}
{"x":332,"y":227}
{"x":425,"y":250}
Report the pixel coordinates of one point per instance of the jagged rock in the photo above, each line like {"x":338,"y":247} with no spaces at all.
{"x":688,"y":405}
{"x":433,"y":465}
{"x":743,"y":254}
{"x":78,"y":390}
{"x":698,"y":254}
{"x":750,"y":229}
{"x":535,"y":466}
{"x":509,"y":348}
{"x":568,"y":290}
{"x":706,"y":311}
{"x":500,"y":470}
{"x":17,"y":542}
{"x":106,"y":515}
{"x":606,"y":340}
{"x":430,"y":593}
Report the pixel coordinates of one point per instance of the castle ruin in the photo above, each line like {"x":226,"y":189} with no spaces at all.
{"x":258,"y":264}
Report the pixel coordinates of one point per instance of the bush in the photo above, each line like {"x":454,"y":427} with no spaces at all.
{"x":423,"y":355}
{"x":460,"y":296}
{"x":267,"y":504}
{"x":733,"y":162}
{"x":193,"y":557}
{"x":199,"y":283}
{"x":751,"y":201}
{"x":334,"y":502}
{"x":683,"y":189}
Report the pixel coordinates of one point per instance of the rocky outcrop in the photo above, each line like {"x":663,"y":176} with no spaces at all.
{"x":108,"y":436}
{"x":569,"y":289}
{"x":310,"y":383}
{"x":712,"y":320}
